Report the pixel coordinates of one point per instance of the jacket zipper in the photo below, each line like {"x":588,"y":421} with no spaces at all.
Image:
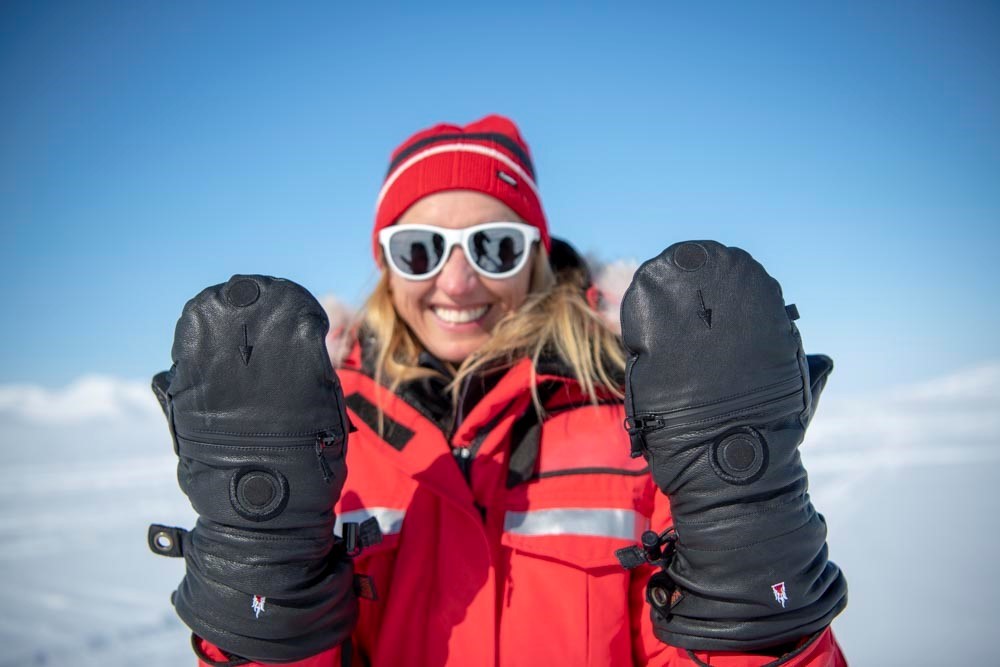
{"x":465,"y":454}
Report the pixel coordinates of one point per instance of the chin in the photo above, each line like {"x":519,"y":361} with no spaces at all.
{"x":456,"y":353}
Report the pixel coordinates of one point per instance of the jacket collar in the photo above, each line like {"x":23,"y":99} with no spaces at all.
{"x":480,"y":399}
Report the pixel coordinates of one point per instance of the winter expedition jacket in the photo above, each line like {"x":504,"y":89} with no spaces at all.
{"x":500,"y":530}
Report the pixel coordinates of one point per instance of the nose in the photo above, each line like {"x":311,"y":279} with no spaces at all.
{"x":457,"y":278}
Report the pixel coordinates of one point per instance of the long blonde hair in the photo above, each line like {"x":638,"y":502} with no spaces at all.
{"x":555,"y":319}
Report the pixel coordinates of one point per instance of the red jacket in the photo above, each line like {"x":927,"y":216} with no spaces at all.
{"x":513,"y":565}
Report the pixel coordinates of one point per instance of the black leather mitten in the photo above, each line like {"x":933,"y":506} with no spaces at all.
{"x":718,"y":398}
{"x":260,"y":431}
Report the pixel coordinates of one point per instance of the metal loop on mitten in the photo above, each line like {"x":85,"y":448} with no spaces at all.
{"x":662,"y":593}
{"x":165,"y":540}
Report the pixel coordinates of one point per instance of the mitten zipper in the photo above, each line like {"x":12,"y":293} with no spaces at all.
{"x":319,"y":441}
{"x":324,"y":440}
{"x":760,"y":399}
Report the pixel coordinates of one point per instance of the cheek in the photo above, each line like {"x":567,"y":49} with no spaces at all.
{"x":406,"y":297}
{"x":511,"y":292}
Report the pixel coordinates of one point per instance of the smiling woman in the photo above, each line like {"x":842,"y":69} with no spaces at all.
{"x":463,"y":243}
{"x":485,"y":392}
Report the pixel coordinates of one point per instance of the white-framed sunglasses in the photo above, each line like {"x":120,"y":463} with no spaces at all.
{"x":494,"y":249}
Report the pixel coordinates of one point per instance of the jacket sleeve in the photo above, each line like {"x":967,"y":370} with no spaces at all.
{"x":210,"y":656}
{"x":818,"y":650}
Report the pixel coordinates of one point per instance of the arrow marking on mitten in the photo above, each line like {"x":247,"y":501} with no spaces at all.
{"x":246,"y":349}
{"x":705,"y":313}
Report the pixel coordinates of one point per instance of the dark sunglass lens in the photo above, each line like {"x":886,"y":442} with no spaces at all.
{"x":417,"y":251}
{"x":497,"y":250}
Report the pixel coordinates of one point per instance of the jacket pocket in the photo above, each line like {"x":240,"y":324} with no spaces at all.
{"x":565,"y":594}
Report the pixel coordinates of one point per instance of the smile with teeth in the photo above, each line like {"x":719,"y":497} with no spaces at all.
{"x":459,"y":315}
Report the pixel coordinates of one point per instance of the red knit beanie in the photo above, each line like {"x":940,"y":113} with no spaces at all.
{"x":487,"y":156}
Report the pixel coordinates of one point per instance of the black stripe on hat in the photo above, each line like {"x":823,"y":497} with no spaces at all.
{"x":495,"y":137}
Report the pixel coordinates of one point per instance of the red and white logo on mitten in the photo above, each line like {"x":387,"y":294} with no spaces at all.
{"x":258,"y":605}
{"x":779,"y":593}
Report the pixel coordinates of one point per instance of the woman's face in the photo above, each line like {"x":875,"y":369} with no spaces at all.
{"x":454,"y":312}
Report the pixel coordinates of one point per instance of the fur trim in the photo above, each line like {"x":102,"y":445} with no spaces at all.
{"x":612,"y":279}
{"x":340,"y":337}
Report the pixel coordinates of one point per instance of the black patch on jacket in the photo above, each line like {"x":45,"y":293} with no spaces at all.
{"x":525,"y":439}
{"x":393,"y":432}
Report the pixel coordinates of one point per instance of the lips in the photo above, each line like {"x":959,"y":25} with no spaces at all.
{"x":459,"y":315}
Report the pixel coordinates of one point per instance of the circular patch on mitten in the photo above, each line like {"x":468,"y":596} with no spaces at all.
{"x":243,"y":292}
{"x":690,"y":256}
{"x":739,"y":456}
{"x":258,"y":495}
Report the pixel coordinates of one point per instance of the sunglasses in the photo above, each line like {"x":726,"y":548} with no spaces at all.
{"x":494,"y":249}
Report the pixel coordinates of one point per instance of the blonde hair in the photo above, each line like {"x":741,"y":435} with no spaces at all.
{"x":555,"y":319}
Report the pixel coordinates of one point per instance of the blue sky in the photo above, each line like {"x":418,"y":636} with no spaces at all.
{"x":149,"y":150}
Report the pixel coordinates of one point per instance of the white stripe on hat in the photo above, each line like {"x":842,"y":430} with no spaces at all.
{"x":457,"y":148}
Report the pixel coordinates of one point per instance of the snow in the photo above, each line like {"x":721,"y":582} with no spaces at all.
{"x":905,"y":478}
{"x":84,"y":471}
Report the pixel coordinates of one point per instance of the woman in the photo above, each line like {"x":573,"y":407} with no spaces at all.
{"x":486,"y":394}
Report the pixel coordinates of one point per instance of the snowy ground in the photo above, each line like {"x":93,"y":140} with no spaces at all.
{"x":906,"y":480}
{"x":76,"y":495}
